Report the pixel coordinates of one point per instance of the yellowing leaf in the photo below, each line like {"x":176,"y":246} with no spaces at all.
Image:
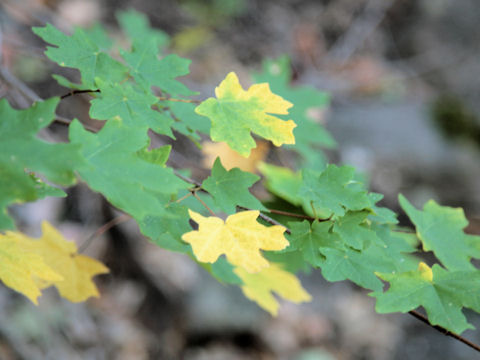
{"x":61,"y":255}
{"x":231,"y":159}
{"x":235,"y":113}
{"x":240,"y":238}
{"x":19,"y":268}
{"x":425,"y":272}
{"x":258,"y":287}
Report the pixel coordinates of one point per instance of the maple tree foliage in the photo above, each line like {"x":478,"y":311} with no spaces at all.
{"x":341,"y":231}
{"x":30,"y":265}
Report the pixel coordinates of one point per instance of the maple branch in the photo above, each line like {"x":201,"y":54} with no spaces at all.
{"x":300,"y":216}
{"x":194,"y":193}
{"x":32,"y":96}
{"x":75,"y":92}
{"x":187,"y":179}
{"x":184,"y":197}
{"x":444,"y":331}
{"x":103,"y":229}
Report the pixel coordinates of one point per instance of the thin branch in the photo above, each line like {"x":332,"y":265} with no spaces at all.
{"x":300,"y":216}
{"x":444,"y":331}
{"x":187,"y":179}
{"x":103,"y":229}
{"x":75,"y":92}
{"x":194,"y":193}
{"x":31,"y":95}
{"x":184,"y":197}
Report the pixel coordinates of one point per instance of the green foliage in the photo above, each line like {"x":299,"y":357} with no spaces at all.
{"x":22,"y":153}
{"x":85,"y":51}
{"x":116,"y":169}
{"x":441,"y":292}
{"x":230,"y":188}
{"x":440,"y":229}
{"x":333,"y":191}
{"x":345,"y":234}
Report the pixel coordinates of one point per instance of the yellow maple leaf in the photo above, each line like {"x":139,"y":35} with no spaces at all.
{"x":240,"y":238}
{"x":237,"y":113}
{"x":61,"y":255}
{"x":258,"y":287}
{"x":231,"y":159}
{"x":19,"y":267}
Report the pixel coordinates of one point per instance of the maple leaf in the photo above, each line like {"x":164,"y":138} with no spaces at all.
{"x":131,"y":105}
{"x":145,"y":66}
{"x":118,"y":168}
{"x":259,"y":287}
{"x":354,"y":231}
{"x":240,"y":238}
{"x":230,"y":188}
{"x":309,"y":133}
{"x":379,"y":214}
{"x":323,"y":247}
{"x":166,"y":230}
{"x":441,"y":292}
{"x":21,"y":152}
{"x":149,"y":71}
{"x":236,"y":112}
{"x":231,"y":159}
{"x":20,"y":267}
{"x":61,"y":255}
{"x":357,"y":266}
{"x":308,"y":238}
{"x":440,"y":229}
{"x":333,"y":190}
{"x":85,"y":51}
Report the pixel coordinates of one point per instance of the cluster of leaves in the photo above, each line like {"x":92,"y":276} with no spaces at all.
{"x":343,"y":232}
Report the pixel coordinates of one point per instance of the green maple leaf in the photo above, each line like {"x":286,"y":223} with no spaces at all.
{"x":122,"y":174}
{"x":137,"y":27}
{"x":441,"y":292}
{"x":309,"y":238}
{"x":131,"y":105}
{"x":324,"y":248}
{"x":230,"y":188}
{"x":22,"y":152}
{"x":235,"y":113}
{"x":354,"y":231}
{"x":149,"y":71}
{"x":380,"y":214}
{"x":357,"y":266}
{"x":309,"y":133}
{"x":85,"y":51}
{"x":334,"y":190}
{"x":166,"y":229}
{"x":440,"y":229}
{"x":395,"y":246}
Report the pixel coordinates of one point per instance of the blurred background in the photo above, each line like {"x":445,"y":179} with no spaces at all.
{"x":405,"y":99}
